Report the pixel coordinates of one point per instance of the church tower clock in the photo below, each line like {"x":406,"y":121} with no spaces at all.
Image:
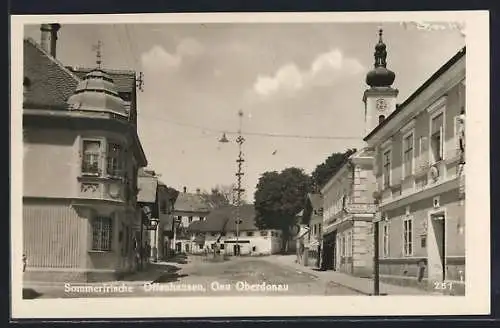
{"x":380,"y":98}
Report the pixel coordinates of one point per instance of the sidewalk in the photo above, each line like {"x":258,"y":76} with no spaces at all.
{"x":360,"y":285}
{"x":150,"y":273}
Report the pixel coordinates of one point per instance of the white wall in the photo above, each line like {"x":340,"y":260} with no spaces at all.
{"x":270,"y":243}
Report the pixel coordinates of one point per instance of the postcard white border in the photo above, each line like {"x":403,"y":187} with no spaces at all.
{"x":477,"y":299}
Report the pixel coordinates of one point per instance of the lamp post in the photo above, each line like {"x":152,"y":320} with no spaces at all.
{"x":153,"y":223}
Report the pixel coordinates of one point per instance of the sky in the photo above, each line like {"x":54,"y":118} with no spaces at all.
{"x":289,"y":79}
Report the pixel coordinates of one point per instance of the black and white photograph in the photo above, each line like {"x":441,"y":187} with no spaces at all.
{"x":226,"y":164}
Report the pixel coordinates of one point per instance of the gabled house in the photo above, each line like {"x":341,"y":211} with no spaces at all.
{"x":220,"y":229}
{"x":188,"y":208}
{"x":81,"y":157}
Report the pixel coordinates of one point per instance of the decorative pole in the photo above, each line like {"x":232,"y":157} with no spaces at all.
{"x":239,"y":190}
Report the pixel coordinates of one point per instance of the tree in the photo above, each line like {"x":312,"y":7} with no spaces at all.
{"x":279,"y":196}
{"x":221,"y":195}
{"x":326,"y":170}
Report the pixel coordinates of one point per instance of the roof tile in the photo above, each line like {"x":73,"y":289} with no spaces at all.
{"x":51,"y":83}
{"x":187,"y":202}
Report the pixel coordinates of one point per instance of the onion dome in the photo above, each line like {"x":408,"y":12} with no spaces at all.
{"x":97,"y":92}
{"x":380,"y":76}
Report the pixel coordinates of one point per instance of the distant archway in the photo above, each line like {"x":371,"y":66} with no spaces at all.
{"x":381,"y":118}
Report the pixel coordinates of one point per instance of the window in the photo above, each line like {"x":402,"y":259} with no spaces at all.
{"x":190,"y":219}
{"x":408,"y":155}
{"x":102,"y":233}
{"x":263,"y":233}
{"x":381,"y":118}
{"x":314,"y":230}
{"x":408,"y":237}
{"x":213,"y":234}
{"x":319,"y":229}
{"x":385,"y":240}
{"x":202,"y":218}
{"x":90,"y":158}
{"x":249,"y":233}
{"x":423,"y":241}
{"x":115,"y":160}
{"x":437,"y":138}
{"x":387,"y":168}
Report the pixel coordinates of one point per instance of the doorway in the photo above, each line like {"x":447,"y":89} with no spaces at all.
{"x":437,"y":247}
{"x":236,"y":250}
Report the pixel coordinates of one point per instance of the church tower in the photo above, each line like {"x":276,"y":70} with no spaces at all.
{"x":380,"y":98}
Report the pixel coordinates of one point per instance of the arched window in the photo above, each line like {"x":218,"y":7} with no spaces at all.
{"x":381,"y":118}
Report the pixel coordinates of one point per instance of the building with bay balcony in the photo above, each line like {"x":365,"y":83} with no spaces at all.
{"x":419,"y":168}
{"x":81,"y":158}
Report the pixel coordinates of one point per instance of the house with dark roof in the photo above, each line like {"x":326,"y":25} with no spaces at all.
{"x":221,"y":230}
{"x":188,"y":208}
{"x":81,"y":158}
{"x":420,"y":179}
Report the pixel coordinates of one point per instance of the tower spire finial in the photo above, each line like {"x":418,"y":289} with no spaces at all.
{"x":97,"y":49}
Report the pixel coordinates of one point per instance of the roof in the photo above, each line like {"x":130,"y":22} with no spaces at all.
{"x":124,"y":80}
{"x":147,"y":189}
{"x":224,"y":219}
{"x":417,"y":92}
{"x":188,"y":202}
{"x":316,"y":200}
{"x":50,"y":83}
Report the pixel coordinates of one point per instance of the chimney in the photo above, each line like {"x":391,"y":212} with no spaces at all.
{"x":48,"y":39}
{"x":185,"y":189}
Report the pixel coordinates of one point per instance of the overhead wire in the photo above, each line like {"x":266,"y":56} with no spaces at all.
{"x":250,"y":133}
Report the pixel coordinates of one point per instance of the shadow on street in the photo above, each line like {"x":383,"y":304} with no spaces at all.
{"x":29,"y":294}
{"x":179,"y":259}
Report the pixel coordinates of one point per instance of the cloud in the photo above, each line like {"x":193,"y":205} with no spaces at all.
{"x":324,"y":69}
{"x":288,"y":78}
{"x":157,"y":57}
